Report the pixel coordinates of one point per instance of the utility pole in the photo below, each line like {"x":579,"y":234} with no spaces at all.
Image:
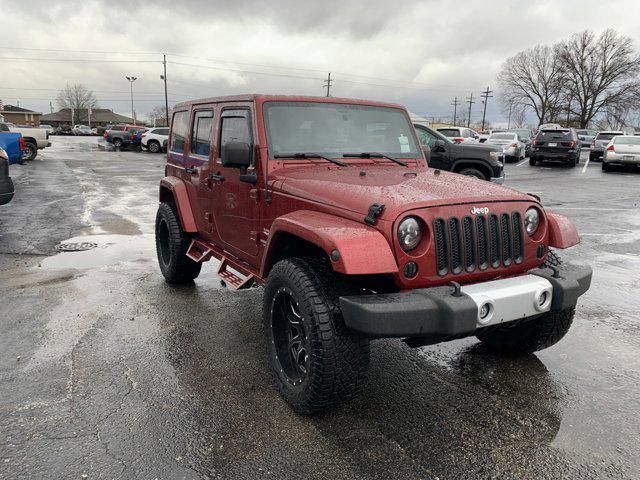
{"x":470,"y":101}
{"x":486,"y":97}
{"x":51,"y":106}
{"x":131,"y":80}
{"x":327,"y":84}
{"x":455,"y":104}
{"x":166,"y":98}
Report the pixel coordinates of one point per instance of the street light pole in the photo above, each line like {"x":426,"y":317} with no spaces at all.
{"x":131,"y":80}
{"x":166,"y":98}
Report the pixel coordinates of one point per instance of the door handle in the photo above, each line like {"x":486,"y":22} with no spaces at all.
{"x":191,"y":170}
{"x":217,"y":177}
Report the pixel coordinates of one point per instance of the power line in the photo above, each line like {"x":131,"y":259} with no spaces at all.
{"x":486,"y":97}
{"x":470,"y":101}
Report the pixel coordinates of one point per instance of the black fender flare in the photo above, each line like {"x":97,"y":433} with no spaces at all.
{"x":484,"y":166}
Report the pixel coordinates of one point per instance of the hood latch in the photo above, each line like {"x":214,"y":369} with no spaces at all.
{"x":374,"y":212}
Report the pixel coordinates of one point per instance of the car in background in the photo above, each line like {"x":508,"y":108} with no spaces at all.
{"x":475,"y":160}
{"x":556,"y":145}
{"x":586,"y":137}
{"x":155,"y":139}
{"x":459,"y":134}
{"x":83,"y":130}
{"x":13,"y":145}
{"x":62,"y":130}
{"x":526,"y":136}
{"x":136,"y":141}
{"x":484,"y":135}
{"x":6,"y":184}
{"x":48,"y":128}
{"x":601,"y":141}
{"x":510,"y":143}
{"x":121,"y":135}
{"x":101,"y":129}
{"x":621,"y":150}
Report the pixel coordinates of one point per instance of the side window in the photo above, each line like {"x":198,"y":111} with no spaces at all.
{"x":180,"y":124}
{"x":426,"y":137}
{"x":201,"y":132}
{"x":162,"y":131}
{"x":118,"y":128}
{"x":235,"y":127}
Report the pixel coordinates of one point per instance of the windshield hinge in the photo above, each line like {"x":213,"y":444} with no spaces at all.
{"x":374,"y":212}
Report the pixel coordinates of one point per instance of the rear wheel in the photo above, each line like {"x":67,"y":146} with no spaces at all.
{"x":316,"y":362}
{"x":117,"y":143}
{"x":30,"y":151}
{"x":533,"y":162}
{"x":473,"y":172}
{"x":171,"y":246}
{"x":153,"y":146}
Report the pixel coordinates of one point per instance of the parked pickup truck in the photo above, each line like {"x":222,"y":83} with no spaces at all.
{"x":330,"y":205}
{"x":13,"y":145}
{"x":34,"y":139}
{"x":468,"y":158}
{"x":122,"y":135}
{"x":6,"y":184}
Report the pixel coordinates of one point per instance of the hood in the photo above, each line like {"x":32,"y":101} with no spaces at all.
{"x":399,"y":189}
{"x":476,"y":148}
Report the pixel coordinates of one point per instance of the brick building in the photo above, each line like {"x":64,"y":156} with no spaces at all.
{"x":100,"y":117}
{"x":20,"y":116}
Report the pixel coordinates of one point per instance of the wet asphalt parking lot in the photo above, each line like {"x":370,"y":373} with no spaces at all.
{"x":107,"y":372}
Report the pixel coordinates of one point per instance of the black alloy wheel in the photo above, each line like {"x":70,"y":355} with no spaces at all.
{"x":289,"y":336}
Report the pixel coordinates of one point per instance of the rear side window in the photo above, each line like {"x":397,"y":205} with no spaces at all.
{"x":118,"y":128}
{"x":201,"y":132}
{"x":449,"y":132}
{"x":235,"y":127}
{"x":180,"y":125}
{"x":607,"y":136}
{"x":162,"y":131}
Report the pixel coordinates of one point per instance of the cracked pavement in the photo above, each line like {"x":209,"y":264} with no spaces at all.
{"x":107,"y":372}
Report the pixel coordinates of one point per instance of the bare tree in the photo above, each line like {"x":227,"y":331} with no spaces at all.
{"x":533,"y":78}
{"x":158,"y":116}
{"x":515,"y":112}
{"x":76,"y":96}
{"x":601,"y":74}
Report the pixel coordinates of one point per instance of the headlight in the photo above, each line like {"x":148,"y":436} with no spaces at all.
{"x":409,"y":233}
{"x":531,"y":220}
{"x":493,"y":155}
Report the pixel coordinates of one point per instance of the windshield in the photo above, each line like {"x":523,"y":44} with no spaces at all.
{"x":502,"y":136}
{"x":333,"y":129}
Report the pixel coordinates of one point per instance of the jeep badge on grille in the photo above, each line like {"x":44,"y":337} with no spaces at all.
{"x":479,"y":210}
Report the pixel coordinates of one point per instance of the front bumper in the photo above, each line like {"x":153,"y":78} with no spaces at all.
{"x":555,"y":156}
{"x":622,"y":159}
{"x":437,"y":313}
{"x":499,"y":180}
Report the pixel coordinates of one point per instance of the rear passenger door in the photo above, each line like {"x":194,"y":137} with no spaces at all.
{"x":235,"y":203}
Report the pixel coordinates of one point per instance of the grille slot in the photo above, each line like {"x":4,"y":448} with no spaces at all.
{"x":441,"y":247}
{"x":518,"y":246}
{"x":483,"y":242}
{"x":507,"y":250}
{"x":494,"y":250}
{"x":469,"y":245}
{"x":456,"y":245}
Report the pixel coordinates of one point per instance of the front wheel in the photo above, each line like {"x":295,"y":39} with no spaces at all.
{"x":171,"y":246}
{"x":30,"y":151}
{"x":316,"y":362}
{"x":473,"y":172}
{"x":117,"y":143}
{"x":153,"y":146}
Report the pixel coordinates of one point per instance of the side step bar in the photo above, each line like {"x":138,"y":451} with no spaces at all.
{"x":200,"y":251}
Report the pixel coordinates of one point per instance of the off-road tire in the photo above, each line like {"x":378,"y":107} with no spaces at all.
{"x":30,"y":151}
{"x":528,"y":336}
{"x":117,"y":143}
{"x":337,"y":358}
{"x":153,"y":146}
{"x":473,"y":172}
{"x":533,"y":162}
{"x":171,"y":247}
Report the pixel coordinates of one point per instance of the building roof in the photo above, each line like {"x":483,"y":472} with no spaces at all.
{"x":13,"y":108}
{"x":101,"y":115}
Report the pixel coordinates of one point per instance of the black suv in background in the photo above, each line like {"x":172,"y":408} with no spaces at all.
{"x":556,"y":145}
{"x":482,"y":161}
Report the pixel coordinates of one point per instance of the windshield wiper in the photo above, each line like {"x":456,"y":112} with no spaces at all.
{"x":311,"y":156}
{"x":375,"y":155}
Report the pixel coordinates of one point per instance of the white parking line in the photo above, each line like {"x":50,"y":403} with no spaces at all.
{"x":523,"y":161}
{"x":586,"y":164}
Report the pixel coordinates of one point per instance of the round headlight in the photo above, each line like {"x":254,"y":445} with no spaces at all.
{"x":409,"y":233}
{"x":531,"y":220}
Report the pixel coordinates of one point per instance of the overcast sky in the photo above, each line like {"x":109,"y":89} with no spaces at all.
{"x":420,"y":54}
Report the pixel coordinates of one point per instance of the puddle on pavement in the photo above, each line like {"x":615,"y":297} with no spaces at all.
{"x":109,"y":250}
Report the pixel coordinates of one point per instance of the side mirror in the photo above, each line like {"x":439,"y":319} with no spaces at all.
{"x":236,"y":154}
{"x":440,"y":144}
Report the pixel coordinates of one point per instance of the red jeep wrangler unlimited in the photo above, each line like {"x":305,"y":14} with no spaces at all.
{"x":330,"y":205}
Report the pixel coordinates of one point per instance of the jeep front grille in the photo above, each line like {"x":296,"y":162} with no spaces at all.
{"x":467,"y":245}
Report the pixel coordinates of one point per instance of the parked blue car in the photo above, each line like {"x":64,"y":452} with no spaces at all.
{"x":13,"y":145}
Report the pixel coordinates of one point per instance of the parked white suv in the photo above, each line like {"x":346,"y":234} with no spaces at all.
{"x":459,"y":134}
{"x":155,"y":139}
